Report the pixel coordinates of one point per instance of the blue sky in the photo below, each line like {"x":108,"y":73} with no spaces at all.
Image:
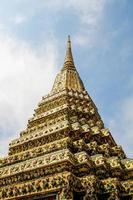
{"x":33,"y":38}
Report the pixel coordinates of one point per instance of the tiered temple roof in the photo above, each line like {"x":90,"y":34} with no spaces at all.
{"x":66,"y":152}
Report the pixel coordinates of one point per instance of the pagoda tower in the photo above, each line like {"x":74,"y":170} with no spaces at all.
{"x":65,"y":152}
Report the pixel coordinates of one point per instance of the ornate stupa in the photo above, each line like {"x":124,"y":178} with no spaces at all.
{"x":65,"y":152}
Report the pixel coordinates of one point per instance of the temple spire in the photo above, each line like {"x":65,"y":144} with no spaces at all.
{"x":68,"y":78}
{"x":68,"y":63}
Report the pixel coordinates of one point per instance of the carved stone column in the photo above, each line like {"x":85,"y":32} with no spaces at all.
{"x":114,"y":196}
{"x":90,"y":194}
{"x":66,"y":194}
{"x":90,"y":185}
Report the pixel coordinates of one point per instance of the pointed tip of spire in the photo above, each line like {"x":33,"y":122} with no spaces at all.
{"x":69,"y":40}
{"x":68,"y":50}
{"x":68,"y":78}
{"x":68,"y":63}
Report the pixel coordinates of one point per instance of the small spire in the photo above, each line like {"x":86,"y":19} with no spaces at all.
{"x":68,"y":63}
{"x":68,"y":78}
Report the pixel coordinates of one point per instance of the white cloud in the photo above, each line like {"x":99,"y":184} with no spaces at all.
{"x":2,"y":27}
{"x":89,"y":13}
{"x":81,"y":40}
{"x":26,"y":74}
{"x":122,"y":125}
{"x":19,"y":19}
{"x":87,"y":10}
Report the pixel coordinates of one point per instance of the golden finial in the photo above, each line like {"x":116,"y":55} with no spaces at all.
{"x":68,"y":63}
